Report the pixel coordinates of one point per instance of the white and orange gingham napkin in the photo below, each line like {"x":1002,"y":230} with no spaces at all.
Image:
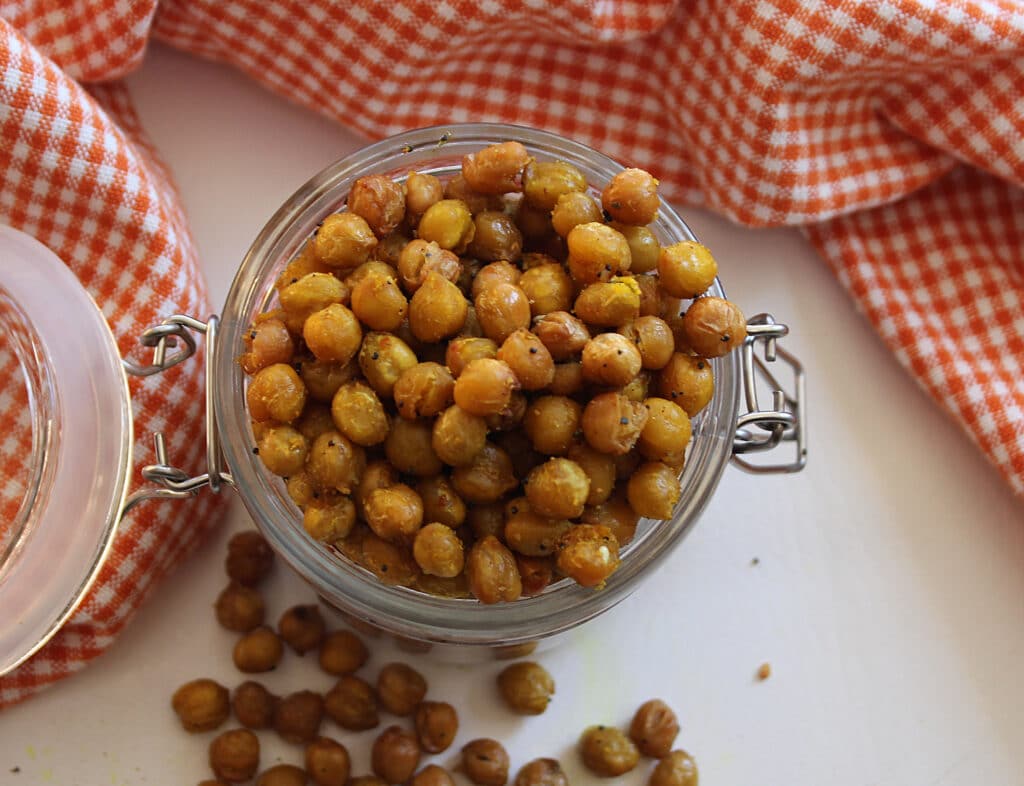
{"x":892,"y":131}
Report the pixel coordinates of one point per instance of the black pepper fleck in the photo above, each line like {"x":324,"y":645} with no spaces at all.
{"x":375,"y":356}
{"x":533,"y":350}
{"x":725,"y":338}
{"x":624,"y":421}
{"x":255,"y":451}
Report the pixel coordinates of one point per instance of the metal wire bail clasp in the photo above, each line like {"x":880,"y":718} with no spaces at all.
{"x":173,"y":342}
{"x":785,"y":421}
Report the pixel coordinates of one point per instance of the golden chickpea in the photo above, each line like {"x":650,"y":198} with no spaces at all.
{"x":558,"y":489}
{"x":420,"y":258}
{"x":610,"y":359}
{"x":499,"y":272}
{"x":643,"y":247}
{"x":502,"y":309}
{"x":438,"y":551}
{"x":714,"y":326}
{"x":333,"y":334}
{"x":510,"y":417}
{"x":389,"y":562}
{"x":342,"y":652}
{"x":617,"y":515}
{"x":653,"y":338}
{"x":463,"y":351}
{"x":283,"y":450}
{"x":677,"y":769}
{"x":235,"y":755}
{"x":599,"y":468}
{"x":654,"y":728}
{"x":380,"y":201}
{"x":609,"y":303}
{"x":441,"y":503}
{"x":423,"y":391}
{"x":329,"y":519}
{"x":485,"y":387}
{"x":378,"y":302}
{"x":532,"y":535}
{"x":253,"y":705}
{"x":458,"y":188}
{"x":257,"y":651}
{"x":487,"y":478}
{"x":496,"y":168}
{"x":358,"y":414}
{"x":596,"y":253}
{"x":421,"y":191}
{"x":573,"y":209}
{"x":637,"y":388}
{"x":249,"y":558}
{"x":666,"y":433}
{"x":541,"y":772}
{"x":377,"y":475}
{"x":632,"y":197}
{"x":382,"y":358}
{"x":548,"y":288}
{"x":458,"y":436}
{"x":485,"y":762}
{"x":432,"y":775}
{"x":352,"y":704}
{"x":492,"y":572}
{"x":400,"y":688}
{"x":388,"y":250}
{"x":563,"y":334}
{"x":327,"y":762}
{"x":486,"y":519}
{"x":650,"y":295}
{"x":395,"y":755}
{"x":409,"y":449}
{"x":526,"y":687}
{"x":551,"y":422}
{"x":536,"y":573}
{"x":372,"y":267}
{"x":612,"y":423}
{"x":322,"y":379}
{"x":529,"y":360}
{"x":495,"y":236}
{"x":545,"y":181}
{"x":688,"y":381}
{"x":686,"y":269}
{"x":437,"y":309}
{"x":437,"y":723}
{"x":626,"y":463}
{"x":534,"y":222}
{"x":568,"y":379}
{"x":344,"y":240}
{"x":394,"y":513}
{"x":607,"y":752}
{"x":297,"y":717}
{"x":302,"y":264}
{"x":276,"y":393}
{"x":449,"y":224}
{"x":239,"y":608}
{"x":268,"y":342}
{"x":653,"y":490}
{"x":334,"y":462}
{"x":201,"y":705}
{"x":316,"y":419}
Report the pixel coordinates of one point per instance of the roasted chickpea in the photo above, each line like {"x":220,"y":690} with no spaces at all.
{"x":235,"y":755}
{"x":626,"y":463}
{"x":510,"y":417}
{"x":409,"y":448}
{"x":558,"y":489}
{"x":424,"y":390}
{"x":297,"y":716}
{"x":563,"y":334}
{"x":322,"y":379}
{"x":382,"y":358}
{"x":302,"y":628}
{"x":258,"y":650}
{"x":535,"y":573}
{"x":282,"y":450}
{"x":654,"y":728}
{"x":302,"y":264}
{"x":379,"y":302}
{"x":268,"y":342}
{"x":534,"y":222}
{"x":492,"y":572}
{"x":438,"y":551}
{"x":599,"y":468}
{"x":282,"y":775}
{"x":529,"y":359}
{"x":333,"y":334}
{"x":496,"y":168}
{"x":532,"y":535}
{"x":420,"y":258}
{"x":487,"y":477}
{"x":653,"y":338}
{"x":239,"y":608}
{"x":632,"y":197}
{"x":441,"y":503}
{"x":612,"y":423}
{"x":421,"y":191}
{"x":253,"y":705}
{"x":359,"y":415}
{"x":526,"y":687}
{"x":249,"y":558}
{"x":609,"y":303}
{"x":201,"y":705}
{"x":714,"y":326}
{"x":352,"y":704}
{"x":616,"y":514}
{"x":548,"y":288}
{"x":688,"y":381}
{"x":344,"y":240}
{"x":437,"y":723}
{"x":335,"y":463}
{"x":502,"y":309}
{"x":500,"y":272}
{"x":372,"y":268}
{"x":342,"y":652}
{"x":545,"y":181}
{"x":653,"y":490}
{"x":458,"y":436}
{"x":568,"y":379}
{"x":676,"y":769}
{"x":315,"y":420}
{"x":485,"y":762}
{"x":437,"y":309}
{"x":311,"y":293}
{"x":380,"y":201}
{"x":329,"y":518}
{"x":610,"y":359}
{"x":394,"y":513}
{"x":449,"y":224}
{"x":607,"y":752}
{"x":495,"y":237}
{"x":388,"y":250}
{"x":276,"y":393}
{"x":666,"y":433}
{"x":637,"y":388}
{"x":650,"y":296}
{"x":486,"y":519}
{"x":551,"y":422}
{"x":458,"y":188}
{"x":432,"y":775}
{"x":686,"y":269}
{"x":596,"y":252}
{"x":485,"y":387}
{"x":463,"y":351}
{"x":395,"y":754}
{"x":643,"y":247}
{"x":400,"y":688}
{"x":589,"y":554}
{"x":541,"y":772}
{"x":573,"y":209}
{"x":520,"y":450}
{"x":328,"y":762}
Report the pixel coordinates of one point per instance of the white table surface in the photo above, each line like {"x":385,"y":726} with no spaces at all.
{"x":889,"y":596}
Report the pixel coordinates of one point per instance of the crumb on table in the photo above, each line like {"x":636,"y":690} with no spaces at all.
{"x":764,"y":671}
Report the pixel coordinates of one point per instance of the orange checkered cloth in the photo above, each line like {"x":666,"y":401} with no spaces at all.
{"x":892,"y":131}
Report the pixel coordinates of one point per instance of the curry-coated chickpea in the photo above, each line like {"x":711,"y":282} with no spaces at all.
{"x":548,"y":288}
{"x":282,"y":450}
{"x":462,"y":351}
{"x":437,"y":310}
{"x":573,"y":209}
{"x":541,"y":772}
{"x":612,"y":423}
{"x":532,"y":535}
{"x":302,"y":264}
{"x":421,"y":191}
{"x":688,"y":381}
{"x":372,"y":267}
{"x":420,"y":258}
{"x":632,"y":197}
{"x":526,"y":687}
{"x":352,"y":704}
{"x":387,"y":251}
{"x":235,"y":755}
{"x":297,"y":716}
{"x":201,"y":705}
{"x":457,"y":188}
{"x":239,"y":608}
{"x":609,"y":303}
{"x":432,"y":775}
{"x":400,"y":688}
{"x":653,"y":338}
{"x":486,"y":519}
{"x":558,"y":489}
{"x":437,"y":723}
{"x":534,"y":222}
{"x":253,"y":705}
{"x":596,"y":252}
{"x":714,"y":326}
{"x":616,"y":514}
{"x":329,"y":518}
{"x":536,"y":573}
{"x":529,"y":359}
{"x":322,"y":378}
{"x":485,"y":762}
{"x":424,"y":390}
{"x":311,"y":293}
{"x":410,"y":450}
{"x":499,"y":272}
{"x":492,"y":571}
{"x":551,"y":422}
{"x":502,"y":309}
{"x":650,"y":295}
{"x":395,"y":755}
{"x":589,"y":554}
{"x":379,"y":303}
{"x":441,"y":503}
{"x":496,"y":168}
{"x":666,"y":433}
{"x":485,"y":387}
{"x":333,"y":334}
{"x":487,"y":477}
{"x":377,"y":475}
{"x":257,"y":651}
{"x":495,"y":237}
{"x":382,"y":358}
{"x":344,"y":240}
{"x":380,"y":201}
{"x":607,"y":752}
{"x":545,"y":181}
{"x":654,"y":728}
{"x":334,"y":462}
{"x":302,"y":628}
{"x":599,"y":468}
{"x":653,"y":490}
{"x":449,"y":224}
{"x":327,"y":762}
{"x":438,"y":551}
{"x":268,"y":342}
{"x":676,"y":769}
{"x":643,"y":247}
{"x":394,"y":513}
{"x":457,"y":436}
{"x":315,"y":420}
{"x":358,"y":414}
{"x":276,"y":393}
{"x":249,"y":558}
{"x":342,"y":652}
{"x":686,"y":269}
{"x":568,"y":379}
{"x":610,"y":359}
{"x":563,"y":334}
{"x":389,"y":562}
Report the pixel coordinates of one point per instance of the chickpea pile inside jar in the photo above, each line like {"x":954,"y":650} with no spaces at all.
{"x":477,"y":387}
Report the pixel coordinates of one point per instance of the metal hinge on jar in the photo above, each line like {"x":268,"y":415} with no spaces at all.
{"x":173,"y":342}
{"x":758,"y":429}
